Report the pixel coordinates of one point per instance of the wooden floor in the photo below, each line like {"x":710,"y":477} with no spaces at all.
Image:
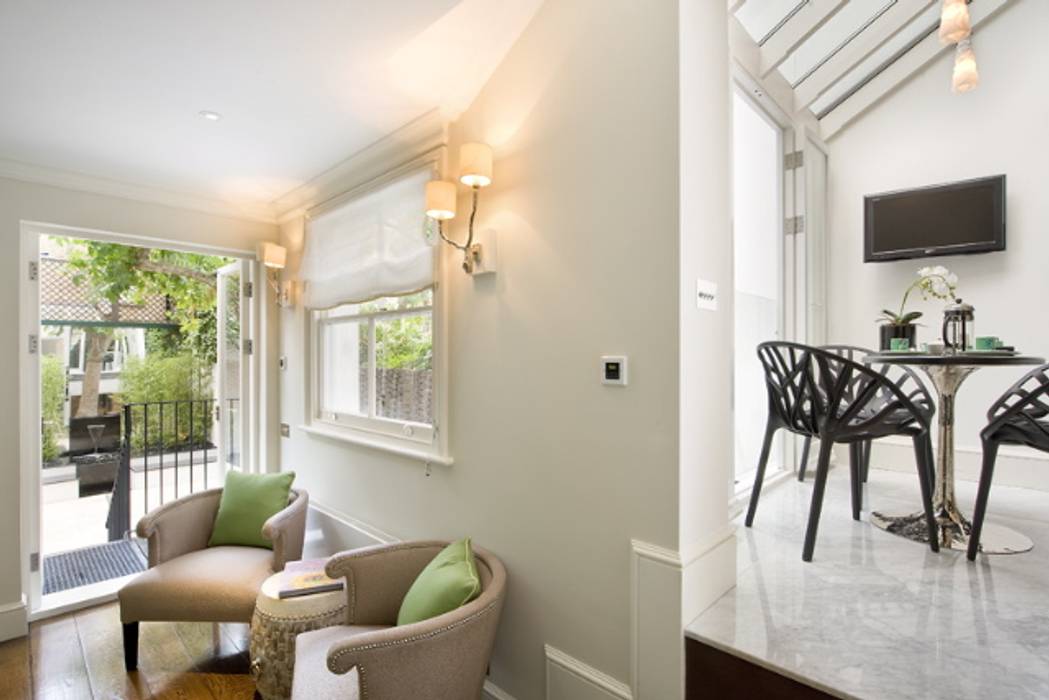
{"x":80,"y":655}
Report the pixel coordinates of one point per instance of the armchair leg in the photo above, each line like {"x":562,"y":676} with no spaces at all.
{"x":131,"y":646}
{"x":855,"y":477}
{"x":866,"y":459}
{"x":819,"y":485}
{"x":755,"y":493}
{"x":923,"y":456}
{"x":804,"y":461}
{"x":990,"y":453}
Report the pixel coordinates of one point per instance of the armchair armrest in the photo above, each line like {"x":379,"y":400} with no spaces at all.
{"x":287,"y":529}
{"x":179,"y":527}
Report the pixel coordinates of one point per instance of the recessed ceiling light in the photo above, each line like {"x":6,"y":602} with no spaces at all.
{"x":209,"y":115}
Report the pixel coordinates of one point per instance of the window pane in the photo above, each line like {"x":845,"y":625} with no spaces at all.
{"x":343,"y":376}
{"x":409,"y":301}
{"x":404,"y":368}
{"x":762,"y":19}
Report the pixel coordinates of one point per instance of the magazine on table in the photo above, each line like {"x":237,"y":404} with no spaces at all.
{"x":306,"y":577}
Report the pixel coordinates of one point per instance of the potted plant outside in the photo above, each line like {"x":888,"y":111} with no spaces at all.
{"x":933,"y":282}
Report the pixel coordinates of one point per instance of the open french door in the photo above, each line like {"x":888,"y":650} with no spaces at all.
{"x":232,"y":411}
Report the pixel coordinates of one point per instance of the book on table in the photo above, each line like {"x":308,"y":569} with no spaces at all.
{"x":306,"y":577}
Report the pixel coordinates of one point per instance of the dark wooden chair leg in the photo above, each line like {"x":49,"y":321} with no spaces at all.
{"x":923,"y":456}
{"x":755,"y":493}
{"x":855,"y":483}
{"x":131,"y":646}
{"x":990,"y":454}
{"x":804,"y":462}
{"x":867,"y":444}
{"x":818,"y":488}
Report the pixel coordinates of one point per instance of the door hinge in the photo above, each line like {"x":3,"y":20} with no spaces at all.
{"x":34,"y":270}
{"x":793,"y":225}
{"x":249,"y":346}
{"x":794,"y":159}
{"x":249,"y":290}
{"x":34,"y":343}
{"x":34,"y":562}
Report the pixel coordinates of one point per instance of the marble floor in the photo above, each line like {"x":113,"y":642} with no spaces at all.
{"x":875,"y":616}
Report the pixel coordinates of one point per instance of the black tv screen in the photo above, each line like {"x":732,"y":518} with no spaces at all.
{"x":951,"y":219}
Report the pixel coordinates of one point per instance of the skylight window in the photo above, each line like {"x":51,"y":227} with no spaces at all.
{"x":761,"y":18}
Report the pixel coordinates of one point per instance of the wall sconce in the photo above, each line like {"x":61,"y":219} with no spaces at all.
{"x":965,"y":76}
{"x":955,"y":23}
{"x":475,"y":171}
{"x":273,"y":258}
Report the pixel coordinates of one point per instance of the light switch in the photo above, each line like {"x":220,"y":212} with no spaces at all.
{"x":614,"y":370}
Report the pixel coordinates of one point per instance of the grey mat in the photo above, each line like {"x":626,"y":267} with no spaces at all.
{"x":91,"y":565}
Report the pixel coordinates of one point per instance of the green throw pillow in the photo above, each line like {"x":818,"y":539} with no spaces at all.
{"x":448,"y":582}
{"x":248,"y":501}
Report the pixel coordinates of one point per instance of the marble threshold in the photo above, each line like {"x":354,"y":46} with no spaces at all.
{"x":877,"y":617}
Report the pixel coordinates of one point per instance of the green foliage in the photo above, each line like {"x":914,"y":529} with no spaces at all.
{"x":156,"y":378}
{"x":52,"y":405}
{"x":404,"y":342}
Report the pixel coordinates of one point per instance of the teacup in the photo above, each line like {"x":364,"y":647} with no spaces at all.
{"x":934,"y":348}
{"x":987,"y":342}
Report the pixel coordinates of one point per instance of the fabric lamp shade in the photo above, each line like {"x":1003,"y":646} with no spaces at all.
{"x":272,"y":255}
{"x":440,"y":199}
{"x":955,"y":23}
{"x":475,"y":164}
{"x":372,"y":246}
{"x":965,"y":77}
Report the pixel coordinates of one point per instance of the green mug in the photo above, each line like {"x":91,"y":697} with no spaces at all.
{"x":899,"y":344}
{"x":988,"y":342}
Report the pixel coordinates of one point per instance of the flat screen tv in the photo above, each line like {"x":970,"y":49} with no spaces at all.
{"x":952,"y":219}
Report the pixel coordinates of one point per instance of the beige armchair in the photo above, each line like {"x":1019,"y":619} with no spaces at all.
{"x":443,"y":658}
{"x":189,"y":581}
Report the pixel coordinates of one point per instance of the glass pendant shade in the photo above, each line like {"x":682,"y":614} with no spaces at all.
{"x":965,"y":77}
{"x":955,"y":24}
{"x":440,"y":199}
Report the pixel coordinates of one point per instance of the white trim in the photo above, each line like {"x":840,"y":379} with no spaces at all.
{"x":418,"y":137}
{"x":81,"y":182}
{"x":358,"y":438}
{"x":586,"y":673}
{"x":813,"y":15}
{"x":42,"y":228}
{"x":886,"y":26}
{"x":692,"y":553}
{"x":491,"y":690}
{"x":359,"y":526}
{"x":13,"y":620}
{"x":927,"y":50}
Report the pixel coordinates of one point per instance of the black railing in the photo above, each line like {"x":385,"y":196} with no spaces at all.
{"x":162,"y":437}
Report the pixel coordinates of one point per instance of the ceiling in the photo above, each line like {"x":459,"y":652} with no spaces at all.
{"x":113,"y":89}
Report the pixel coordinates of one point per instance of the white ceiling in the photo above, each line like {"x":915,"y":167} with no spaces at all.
{"x":112,"y":88}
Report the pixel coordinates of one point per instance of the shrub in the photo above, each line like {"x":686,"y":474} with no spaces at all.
{"x":52,"y":406}
{"x":157,"y":378}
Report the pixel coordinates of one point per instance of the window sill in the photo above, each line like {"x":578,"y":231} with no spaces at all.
{"x":353,"y":438}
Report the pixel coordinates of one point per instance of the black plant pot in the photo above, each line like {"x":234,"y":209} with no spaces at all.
{"x":889,"y":331}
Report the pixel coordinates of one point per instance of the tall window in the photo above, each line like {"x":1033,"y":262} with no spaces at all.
{"x":374,"y":365}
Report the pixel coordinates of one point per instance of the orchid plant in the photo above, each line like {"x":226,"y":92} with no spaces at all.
{"x":933,"y":282}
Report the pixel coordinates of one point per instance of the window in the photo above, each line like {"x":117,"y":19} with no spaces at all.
{"x":374,"y":366}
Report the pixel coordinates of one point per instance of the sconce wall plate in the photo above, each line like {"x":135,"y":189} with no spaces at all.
{"x":487,"y":259}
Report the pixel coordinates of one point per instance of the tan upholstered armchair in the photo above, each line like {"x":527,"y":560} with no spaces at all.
{"x":443,"y":658}
{"x":189,"y":581}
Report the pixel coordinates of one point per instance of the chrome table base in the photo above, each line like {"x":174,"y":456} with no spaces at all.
{"x":954,"y":527}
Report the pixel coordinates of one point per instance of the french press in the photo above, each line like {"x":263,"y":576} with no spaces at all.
{"x":958,"y":330}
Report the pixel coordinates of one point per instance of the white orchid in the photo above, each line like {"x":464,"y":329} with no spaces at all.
{"x":937,"y":282}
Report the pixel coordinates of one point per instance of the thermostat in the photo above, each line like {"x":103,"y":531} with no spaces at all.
{"x":613,"y":370}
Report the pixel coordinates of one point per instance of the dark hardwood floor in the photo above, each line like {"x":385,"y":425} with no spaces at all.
{"x":79,"y":655}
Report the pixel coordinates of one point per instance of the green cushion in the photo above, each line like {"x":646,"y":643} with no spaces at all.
{"x":448,"y":582}
{"x":248,"y":501}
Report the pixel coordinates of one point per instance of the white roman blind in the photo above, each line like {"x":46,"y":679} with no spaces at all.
{"x":374,"y":245}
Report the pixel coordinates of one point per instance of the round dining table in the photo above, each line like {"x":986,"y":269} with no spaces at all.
{"x":947,"y":372}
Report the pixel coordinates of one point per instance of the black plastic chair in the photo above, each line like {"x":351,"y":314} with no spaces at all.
{"x":1019,"y":417}
{"x":820,"y":394}
{"x":863,"y":453}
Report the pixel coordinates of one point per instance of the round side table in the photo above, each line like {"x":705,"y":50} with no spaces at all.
{"x":274,"y":626}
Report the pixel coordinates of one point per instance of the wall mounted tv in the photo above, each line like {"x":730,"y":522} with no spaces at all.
{"x":952,"y":219}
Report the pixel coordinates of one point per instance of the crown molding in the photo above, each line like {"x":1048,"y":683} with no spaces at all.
{"x":418,"y":137}
{"x":80,"y":182}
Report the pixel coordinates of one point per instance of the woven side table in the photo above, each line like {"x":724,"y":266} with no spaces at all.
{"x":274,"y":626}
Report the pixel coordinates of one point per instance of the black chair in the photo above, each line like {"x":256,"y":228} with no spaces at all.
{"x":856,"y":354}
{"x":820,"y":394}
{"x":1019,"y":417}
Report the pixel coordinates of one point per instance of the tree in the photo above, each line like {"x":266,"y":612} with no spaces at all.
{"x":116,"y":276}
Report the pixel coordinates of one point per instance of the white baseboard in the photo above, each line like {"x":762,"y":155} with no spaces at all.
{"x":14,"y":621}
{"x":568,"y":678}
{"x":494,"y":692}
{"x":1015,"y":466}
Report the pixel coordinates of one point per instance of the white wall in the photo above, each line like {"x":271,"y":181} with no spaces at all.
{"x":553,"y":471}
{"x":20,"y":201}
{"x":923,"y":134}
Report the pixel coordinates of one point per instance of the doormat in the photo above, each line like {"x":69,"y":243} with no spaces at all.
{"x":81,"y":567}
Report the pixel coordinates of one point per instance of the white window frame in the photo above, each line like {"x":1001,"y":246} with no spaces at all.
{"x":408,"y":431}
